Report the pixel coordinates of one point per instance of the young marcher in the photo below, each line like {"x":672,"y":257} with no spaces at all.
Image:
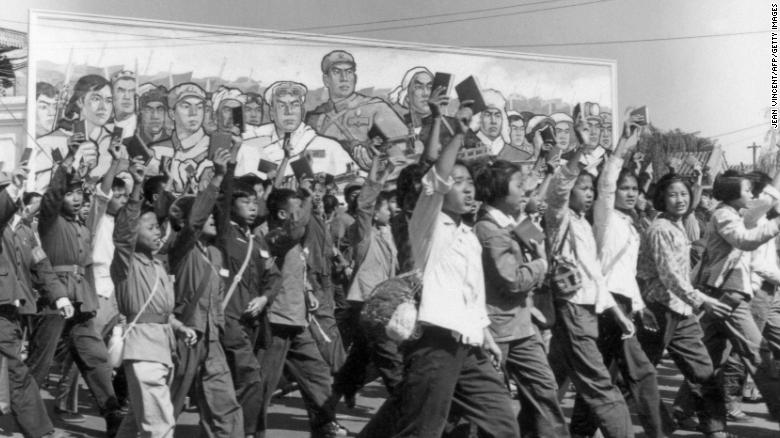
{"x":618,"y":242}
{"x":66,"y":239}
{"x":664,"y":267}
{"x":513,"y":270}
{"x":291,"y":344}
{"x":449,"y":365}
{"x":376,"y":260}
{"x":145,"y":296}
{"x":197,"y":265}
{"x":26,"y":403}
{"x":726,"y":271}
{"x":252,"y":276}
{"x":574,"y":349}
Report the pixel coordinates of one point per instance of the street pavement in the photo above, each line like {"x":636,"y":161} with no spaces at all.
{"x":288,"y":419}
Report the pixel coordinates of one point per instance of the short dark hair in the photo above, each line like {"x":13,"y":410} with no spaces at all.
{"x":329,"y":203}
{"x":250,"y":179}
{"x":728,"y":186}
{"x":408,"y":180}
{"x":278,"y":200}
{"x":627,"y":173}
{"x":759,"y":180}
{"x":154,"y":186}
{"x":118,"y":183}
{"x":381,"y":199}
{"x":28,"y":197}
{"x":492,"y":182}
{"x":242,"y":190}
{"x":46,"y":89}
{"x":663,"y":184}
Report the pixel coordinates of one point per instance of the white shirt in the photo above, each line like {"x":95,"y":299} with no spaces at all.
{"x":327,"y":155}
{"x":580,"y":245}
{"x":128,"y":126}
{"x":501,"y":218}
{"x":450,"y":257}
{"x":103,"y":252}
{"x":617,"y":238}
{"x":494,"y":146}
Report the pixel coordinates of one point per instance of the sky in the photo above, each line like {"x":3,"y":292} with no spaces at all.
{"x":718,"y":86}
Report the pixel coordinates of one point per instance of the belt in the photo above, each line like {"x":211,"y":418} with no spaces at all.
{"x":150,"y":318}
{"x":69,"y":269}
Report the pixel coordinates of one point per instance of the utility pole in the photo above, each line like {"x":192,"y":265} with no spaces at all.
{"x":755,"y":147}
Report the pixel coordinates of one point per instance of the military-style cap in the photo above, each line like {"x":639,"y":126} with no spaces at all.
{"x":285,"y":87}
{"x":591,"y":111}
{"x":151,"y":93}
{"x":123,"y":74}
{"x":251,"y":97}
{"x":336,"y":57}
{"x":606,"y":119}
{"x":538,"y":122}
{"x":184,"y":90}
{"x":561,"y":118}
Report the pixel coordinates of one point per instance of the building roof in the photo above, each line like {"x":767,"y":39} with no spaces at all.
{"x":12,"y":39}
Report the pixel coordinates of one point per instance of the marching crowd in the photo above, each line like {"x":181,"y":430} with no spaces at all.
{"x":461,"y":284}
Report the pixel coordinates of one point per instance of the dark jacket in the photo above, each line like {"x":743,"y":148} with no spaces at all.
{"x":510,"y":277}
{"x":261,"y":275}
{"x":67,"y":243}
{"x":9,"y":287}
{"x":198,"y":284}
{"x":37,"y":281}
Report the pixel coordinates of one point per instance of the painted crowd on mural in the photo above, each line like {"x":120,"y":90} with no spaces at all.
{"x":175,"y":124}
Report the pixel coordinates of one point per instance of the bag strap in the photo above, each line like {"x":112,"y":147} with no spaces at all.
{"x":146,"y":303}
{"x":615,"y":259}
{"x":731,"y":269}
{"x":240,"y":273}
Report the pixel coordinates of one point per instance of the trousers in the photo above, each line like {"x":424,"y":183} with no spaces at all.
{"x":443,"y":375}
{"x":238,"y":341}
{"x":681,"y":336}
{"x":151,"y":411}
{"x":26,"y":404}
{"x":525,"y":361}
{"x":294,"y":348}
{"x":740,"y":332}
{"x":574,"y":353}
{"x":204,"y":368}
{"x":637,"y":374}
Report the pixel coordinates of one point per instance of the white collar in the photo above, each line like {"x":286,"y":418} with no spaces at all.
{"x":192,"y":140}
{"x":494,"y":145}
{"x":502,"y":219}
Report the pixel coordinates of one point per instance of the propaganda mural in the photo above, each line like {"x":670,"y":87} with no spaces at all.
{"x":175,"y":92}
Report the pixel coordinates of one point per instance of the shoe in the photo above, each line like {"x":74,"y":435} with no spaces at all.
{"x":685,"y":422}
{"x":330,"y":430}
{"x":57,"y":433}
{"x":113,"y":420}
{"x":738,"y":416}
{"x":349,"y":400}
{"x":70,"y":417}
{"x":750,"y":393}
{"x":721,"y":435}
{"x":286,"y":389}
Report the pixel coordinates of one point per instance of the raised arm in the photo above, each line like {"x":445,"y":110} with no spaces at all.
{"x":51,"y":202}
{"x":223,"y":218}
{"x":436,"y":101}
{"x":126,"y":227}
{"x":605,"y":202}
{"x":730,"y":225}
